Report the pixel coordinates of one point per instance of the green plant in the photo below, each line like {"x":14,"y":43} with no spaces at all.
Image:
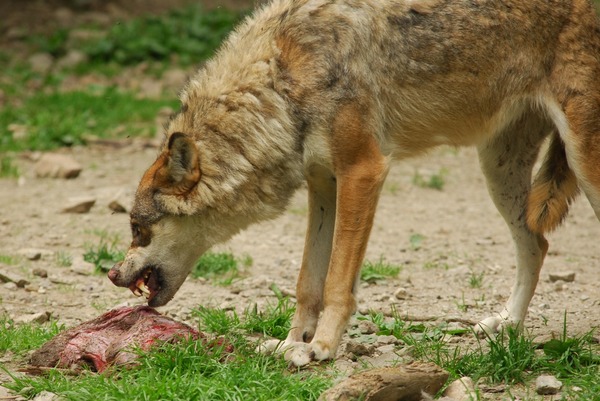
{"x":476,"y":279}
{"x":191,"y":34}
{"x":8,"y":260}
{"x":19,"y":339}
{"x":104,"y":254}
{"x":380,"y":270}
{"x":63,"y":119}
{"x":435,"y":181}
{"x":186,"y":371}
{"x":222,"y":266}
{"x":415,"y":241}
{"x":63,"y":259}
{"x":7,"y":167}
{"x":273,"y":322}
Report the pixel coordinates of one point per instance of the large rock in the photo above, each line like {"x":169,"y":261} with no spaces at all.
{"x":401,"y":383}
{"x":54,"y":165}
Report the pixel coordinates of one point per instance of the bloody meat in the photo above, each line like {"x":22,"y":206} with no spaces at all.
{"x":111,"y":339}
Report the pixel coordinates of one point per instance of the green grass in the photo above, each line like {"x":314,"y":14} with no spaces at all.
{"x":63,"y":259}
{"x":274,"y":321}
{"x":221,"y":267}
{"x":416,"y":241}
{"x":380,"y":270}
{"x":187,"y":371}
{"x":63,"y":119}
{"x":104,"y":254}
{"x":8,"y":260}
{"x":476,"y":279}
{"x":191,"y":370}
{"x":190,"y":35}
{"x":435,"y":181}
{"x":7,"y":168}
{"x":19,"y":339}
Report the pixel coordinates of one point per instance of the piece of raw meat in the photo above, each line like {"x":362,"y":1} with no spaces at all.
{"x":111,"y":338}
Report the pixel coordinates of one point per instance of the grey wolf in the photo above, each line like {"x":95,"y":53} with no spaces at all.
{"x":330,"y":92}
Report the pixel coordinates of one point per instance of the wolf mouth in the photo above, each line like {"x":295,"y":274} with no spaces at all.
{"x":146,"y":284}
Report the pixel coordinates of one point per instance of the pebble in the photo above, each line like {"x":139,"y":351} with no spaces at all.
{"x":401,"y":293}
{"x":462,"y":389}
{"x":355,"y":349}
{"x":567,"y":277}
{"x":116,"y":206}
{"x":53,"y":165}
{"x":46,"y":396}
{"x":41,"y":62}
{"x":367,"y":327}
{"x":11,"y":278}
{"x":79,"y":205}
{"x":40,"y":317}
{"x":387,"y":340}
{"x":43,"y":273}
{"x":31,"y":254}
{"x":10,"y":286}
{"x":547,"y":385}
{"x":72,"y":59}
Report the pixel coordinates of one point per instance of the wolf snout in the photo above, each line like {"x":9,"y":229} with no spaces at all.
{"x":113,"y":273}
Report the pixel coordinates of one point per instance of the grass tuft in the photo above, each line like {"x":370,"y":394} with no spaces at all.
{"x":380,"y":270}
{"x":104,"y":254}
{"x":221,"y":267}
{"x":21,"y":338}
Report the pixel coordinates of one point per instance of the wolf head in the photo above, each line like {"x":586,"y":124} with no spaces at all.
{"x":167,"y":237}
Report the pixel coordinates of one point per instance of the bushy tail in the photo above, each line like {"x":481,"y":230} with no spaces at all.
{"x":554,"y":188}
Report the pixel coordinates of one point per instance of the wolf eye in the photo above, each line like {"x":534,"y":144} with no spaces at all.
{"x":135,"y":230}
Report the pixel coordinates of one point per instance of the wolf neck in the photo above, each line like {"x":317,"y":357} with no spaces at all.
{"x":250,"y":150}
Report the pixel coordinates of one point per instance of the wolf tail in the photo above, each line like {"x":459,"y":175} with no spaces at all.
{"x":554,"y":188}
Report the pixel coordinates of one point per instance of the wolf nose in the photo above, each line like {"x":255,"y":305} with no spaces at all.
{"x":113,"y":274}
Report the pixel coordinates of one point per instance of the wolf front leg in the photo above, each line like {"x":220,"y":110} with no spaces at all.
{"x":360,"y":170}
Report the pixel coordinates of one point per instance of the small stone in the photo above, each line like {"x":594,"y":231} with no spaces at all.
{"x":11,"y":277}
{"x":54,"y":165}
{"x":30,"y":253}
{"x":117,"y":207}
{"x":401,"y":293}
{"x":72,"y":59}
{"x":10,"y":286}
{"x":355,"y":349}
{"x":40,"y":317}
{"x":43,"y":273}
{"x":367,"y":327}
{"x":41,"y":62}
{"x":547,"y":385}
{"x":384,"y":349}
{"x":566,"y":277}
{"x":387,"y":340}
{"x":79,"y":205}
{"x":46,"y":396}
{"x":462,"y":389}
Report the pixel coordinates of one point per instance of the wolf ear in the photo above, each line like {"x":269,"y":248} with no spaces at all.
{"x":182,"y":168}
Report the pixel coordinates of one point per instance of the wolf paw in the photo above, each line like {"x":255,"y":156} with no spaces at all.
{"x":493,"y":325}
{"x":296,"y":353}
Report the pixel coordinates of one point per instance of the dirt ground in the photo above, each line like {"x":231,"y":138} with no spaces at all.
{"x":463,"y":235}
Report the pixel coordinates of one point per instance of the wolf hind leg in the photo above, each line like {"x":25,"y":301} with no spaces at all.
{"x":507,"y":162}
